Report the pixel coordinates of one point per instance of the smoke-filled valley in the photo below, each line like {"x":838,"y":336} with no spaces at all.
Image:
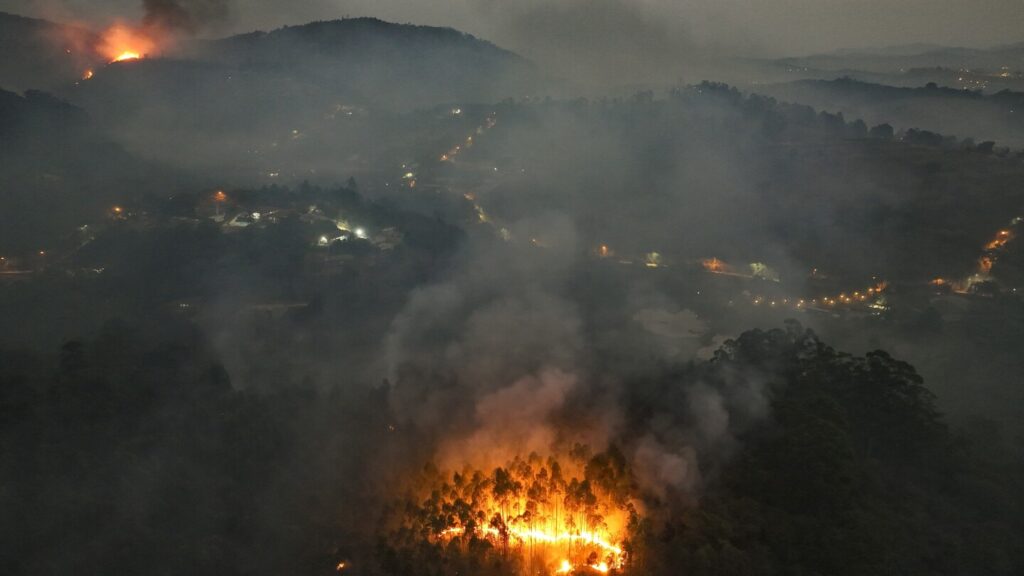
{"x":367,"y":298}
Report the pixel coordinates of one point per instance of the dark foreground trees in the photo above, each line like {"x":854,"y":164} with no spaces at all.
{"x":133,"y":454}
{"x":855,"y":473}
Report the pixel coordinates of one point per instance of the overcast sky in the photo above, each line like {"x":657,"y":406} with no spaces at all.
{"x":758,"y":27}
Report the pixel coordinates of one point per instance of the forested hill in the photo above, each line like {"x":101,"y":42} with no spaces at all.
{"x":45,"y":195}
{"x":398,"y":64}
{"x":41,"y":54}
{"x":856,"y":474}
{"x":352,"y":38}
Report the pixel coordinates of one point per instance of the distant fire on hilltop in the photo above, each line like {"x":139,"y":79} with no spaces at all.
{"x":122,"y":42}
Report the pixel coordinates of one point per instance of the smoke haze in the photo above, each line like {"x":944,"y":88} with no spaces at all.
{"x":338,"y":296}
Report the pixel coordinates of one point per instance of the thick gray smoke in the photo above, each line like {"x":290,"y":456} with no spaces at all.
{"x":500,"y":360}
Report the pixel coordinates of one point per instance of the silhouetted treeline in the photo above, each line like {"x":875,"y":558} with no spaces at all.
{"x":971,"y":115}
{"x":856,"y":473}
{"x":133,"y":453}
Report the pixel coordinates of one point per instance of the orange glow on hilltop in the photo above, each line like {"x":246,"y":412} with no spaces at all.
{"x":127,"y":55}
{"x":121,"y":42}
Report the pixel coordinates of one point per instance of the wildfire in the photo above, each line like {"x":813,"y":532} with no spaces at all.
{"x":121,"y":42}
{"x":533,"y":513}
{"x":127,"y":55}
{"x":536,"y":536}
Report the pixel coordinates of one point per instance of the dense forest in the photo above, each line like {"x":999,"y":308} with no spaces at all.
{"x":142,"y":438}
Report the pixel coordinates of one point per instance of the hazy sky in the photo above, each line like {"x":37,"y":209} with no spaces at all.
{"x":531,"y":27}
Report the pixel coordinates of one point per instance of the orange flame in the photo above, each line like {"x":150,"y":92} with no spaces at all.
{"x":121,"y":42}
{"x":534,"y":508}
{"x":127,"y":56}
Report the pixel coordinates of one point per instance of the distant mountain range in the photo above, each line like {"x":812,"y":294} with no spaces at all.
{"x":907,"y":66}
{"x":949,"y":111}
{"x":906,"y":57}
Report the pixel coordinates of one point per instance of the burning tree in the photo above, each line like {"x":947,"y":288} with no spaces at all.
{"x":532,"y":515}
